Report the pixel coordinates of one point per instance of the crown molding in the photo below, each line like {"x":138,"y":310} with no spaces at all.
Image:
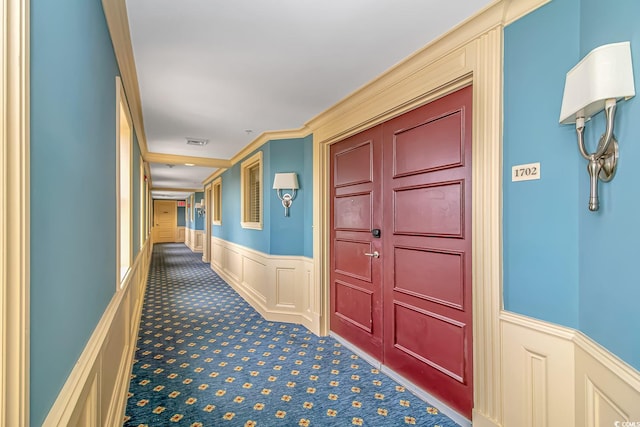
{"x":516,"y":9}
{"x":257,"y":143}
{"x":181,"y":190}
{"x":115,"y":12}
{"x":388,"y":90}
{"x":213,"y":176}
{"x":174,"y":159}
{"x":265,"y":137}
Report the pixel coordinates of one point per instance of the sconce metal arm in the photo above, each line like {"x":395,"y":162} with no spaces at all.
{"x":602,"y":163}
{"x":605,"y":140}
{"x":287,"y":199}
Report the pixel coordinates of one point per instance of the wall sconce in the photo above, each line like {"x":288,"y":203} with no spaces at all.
{"x":200,"y":208}
{"x":597,"y":82}
{"x":286,"y":181}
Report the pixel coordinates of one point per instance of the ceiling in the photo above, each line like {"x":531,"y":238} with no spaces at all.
{"x":227,"y":71}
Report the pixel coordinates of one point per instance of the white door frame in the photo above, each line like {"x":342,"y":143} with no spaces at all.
{"x":14,"y":214}
{"x":470,"y":54}
{"x":208,"y":217}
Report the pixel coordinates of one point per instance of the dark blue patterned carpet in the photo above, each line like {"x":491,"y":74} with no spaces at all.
{"x":205,"y":357}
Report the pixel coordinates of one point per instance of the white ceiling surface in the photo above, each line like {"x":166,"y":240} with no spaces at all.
{"x":176,"y":176}
{"x":214,"y":69}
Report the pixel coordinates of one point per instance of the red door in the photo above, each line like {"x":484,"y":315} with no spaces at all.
{"x":421,"y":201}
{"x":427,"y":249}
{"x":356,"y":291}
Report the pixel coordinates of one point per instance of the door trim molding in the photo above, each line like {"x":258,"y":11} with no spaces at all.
{"x":14,"y":214}
{"x":208,"y":216}
{"x":469,"y":54}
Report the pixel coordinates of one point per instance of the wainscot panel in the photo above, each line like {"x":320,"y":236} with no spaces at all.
{"x":95,"y":392}
{"x":279,"y":287}
{"x":557,"y":376}
{"x":195,"y":239}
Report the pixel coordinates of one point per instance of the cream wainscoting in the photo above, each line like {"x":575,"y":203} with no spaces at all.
{"x":180,"y":234}
{"x":194,"y":239}
{"x":279,"y":287}
{"x":557,"y":376}
{"x":187,"y":237}
{"x":95,"y":392}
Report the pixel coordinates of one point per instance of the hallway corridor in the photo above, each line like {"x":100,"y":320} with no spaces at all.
{"x":205,"y":358}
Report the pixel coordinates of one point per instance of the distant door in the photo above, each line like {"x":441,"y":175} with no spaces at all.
{"x":410,"y":177}
{"x":165,"y":219}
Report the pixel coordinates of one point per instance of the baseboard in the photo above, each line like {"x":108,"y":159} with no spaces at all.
{"x":280,"y":288}
{"x":95,"y":391}
{"x":553,"y":375}
{"x":481,"y":420}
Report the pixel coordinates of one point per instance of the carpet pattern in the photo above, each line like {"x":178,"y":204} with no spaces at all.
{"x":205,"y":357}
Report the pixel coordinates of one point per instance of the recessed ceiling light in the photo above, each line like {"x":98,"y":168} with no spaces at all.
{"x":201,"y":142}
{"x":189,"y":164}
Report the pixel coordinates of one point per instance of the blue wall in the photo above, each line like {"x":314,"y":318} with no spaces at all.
{"x":181,"y":219}
{"x":540,"y":218}
{"x":288,"y":233}
{"x":280,"y":235}
{"x":563,"y":263}
{"x":189,"y":210}
{"x":73,"y":185}
{"x":231,"y":230}
{"x":198,"y":221}
{"x":609,"y":281}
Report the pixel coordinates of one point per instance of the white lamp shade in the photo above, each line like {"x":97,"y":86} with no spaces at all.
{"x":605,"y":73}
{"x":285,"y":181}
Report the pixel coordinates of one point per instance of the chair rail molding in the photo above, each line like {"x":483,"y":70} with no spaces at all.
{"x":95,"y":392}
{"x":558,"y":376}
{"x":14,"y":214}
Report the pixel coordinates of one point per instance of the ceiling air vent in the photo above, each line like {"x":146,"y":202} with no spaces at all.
{"x":197,"y":142}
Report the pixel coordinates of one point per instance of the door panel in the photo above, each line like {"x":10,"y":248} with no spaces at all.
{"x":353,"y":212}
{"x":431,"y":275}
{"x":442,"y":136}
{"x":354,"y":305}
{"x":354,"y":163}
{"x":429,"y":210}
{"x":446,"y":356}
{"x":411,"y":307}
{"x":351,"y":262}
{"x":356,"y":291}
{"x":165,"y":218}
{"x":427,"y":250}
